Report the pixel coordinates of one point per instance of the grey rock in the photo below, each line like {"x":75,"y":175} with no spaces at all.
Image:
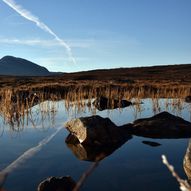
{"x":96,"y":130}
{"x":162,"y":125}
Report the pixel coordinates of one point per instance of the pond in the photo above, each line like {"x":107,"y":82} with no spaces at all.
{"x":35,"y":149}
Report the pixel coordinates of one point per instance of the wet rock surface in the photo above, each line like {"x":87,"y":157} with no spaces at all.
{"x":162,"y":125}
{"x":96,"y":131}
{"x":100,"y":131}
{"x":65,"y":183}
{"x":103,"y":103}
{"x":187,"y":162}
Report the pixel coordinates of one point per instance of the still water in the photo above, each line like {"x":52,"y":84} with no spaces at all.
{"x":37,"y":150}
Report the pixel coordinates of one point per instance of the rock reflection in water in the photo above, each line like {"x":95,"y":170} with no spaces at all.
{"x":92,"y":153}
{"x":103,"y":103}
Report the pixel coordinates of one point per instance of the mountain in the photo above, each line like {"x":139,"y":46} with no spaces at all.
{"x":13,"y":66}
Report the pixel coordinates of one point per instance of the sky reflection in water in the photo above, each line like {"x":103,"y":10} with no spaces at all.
{"x":134,"y":166}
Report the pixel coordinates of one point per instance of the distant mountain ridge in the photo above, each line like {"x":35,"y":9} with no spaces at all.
{"x":13,"y":66}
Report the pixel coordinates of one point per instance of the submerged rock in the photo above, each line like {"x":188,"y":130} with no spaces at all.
{"x":96,"y":130}
{"x":65,"y":183}
{"x":103,"y":103}
{"x":162,"y":125}
{"x":151,"y":143}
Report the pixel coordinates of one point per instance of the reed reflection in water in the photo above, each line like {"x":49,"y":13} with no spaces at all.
{"x":22,"y":108}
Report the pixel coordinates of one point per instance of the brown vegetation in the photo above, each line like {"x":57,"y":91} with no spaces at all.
{"x":156,"y":75}
{"x":19,"y":94}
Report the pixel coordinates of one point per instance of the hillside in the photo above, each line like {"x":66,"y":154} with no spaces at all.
{"x":168,"y":72}
{"x":13,"y":66}
{"x":17,"y":72}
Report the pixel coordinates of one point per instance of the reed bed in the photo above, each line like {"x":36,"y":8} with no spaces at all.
{"x":17,"y":104}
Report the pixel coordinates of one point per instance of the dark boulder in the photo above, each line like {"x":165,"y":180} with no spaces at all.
{"x":57,"y":184}
{"x":103,"y":103}
{"x":162,"y":125}
{"x":96,"y":130}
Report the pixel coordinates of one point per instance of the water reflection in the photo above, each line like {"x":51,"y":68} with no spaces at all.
{"x":93,"y":153}
{"x":24,"y":157}
{"x":20,"y":108}
{"x":43,"y":109}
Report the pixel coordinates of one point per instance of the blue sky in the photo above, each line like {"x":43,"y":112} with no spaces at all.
{"x":100,"y":33}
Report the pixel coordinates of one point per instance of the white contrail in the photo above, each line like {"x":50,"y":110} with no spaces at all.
{"x":29,"y":16}
{"x":25,"y":156}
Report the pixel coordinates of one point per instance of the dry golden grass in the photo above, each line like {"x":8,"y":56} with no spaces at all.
{"x":16,"y":103}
